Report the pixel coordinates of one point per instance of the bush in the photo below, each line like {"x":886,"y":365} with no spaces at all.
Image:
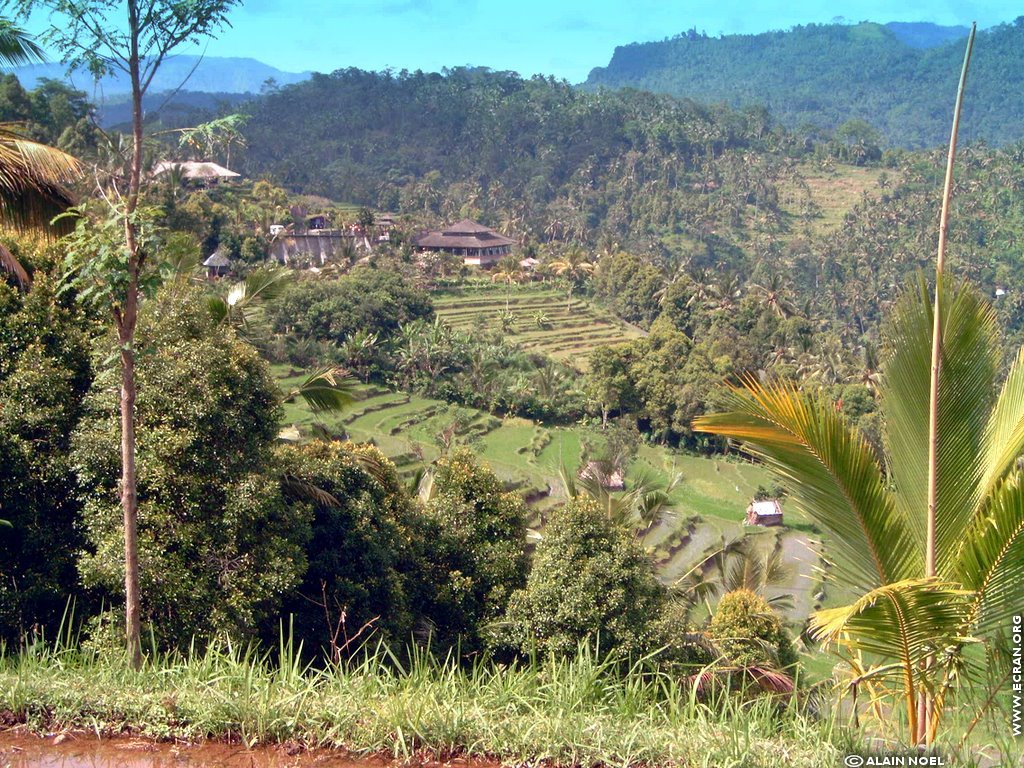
{"x":478,"y":553}
{"x":749,"y":633}
{"x":218,"y":547}
{"x":361,"y":551}
{"x":590,"y":581}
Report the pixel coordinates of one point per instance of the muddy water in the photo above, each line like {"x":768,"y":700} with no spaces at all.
{"x":82,"y":751}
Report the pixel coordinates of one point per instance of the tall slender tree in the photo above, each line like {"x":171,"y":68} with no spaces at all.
{"x":132,"y":38}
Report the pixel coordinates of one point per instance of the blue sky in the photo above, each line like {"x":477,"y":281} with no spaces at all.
{"x":565,"y":38}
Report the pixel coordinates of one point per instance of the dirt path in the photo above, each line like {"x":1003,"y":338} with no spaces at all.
{"x":80,"y":750}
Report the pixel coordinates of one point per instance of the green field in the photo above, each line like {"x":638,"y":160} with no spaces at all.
{"x":569,"y":333}
{"x":708,"y":504}
{"x":835,"y":192}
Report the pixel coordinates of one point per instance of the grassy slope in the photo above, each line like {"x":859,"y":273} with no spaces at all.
{"x":569,"y":334}
{"x":834,"y":191}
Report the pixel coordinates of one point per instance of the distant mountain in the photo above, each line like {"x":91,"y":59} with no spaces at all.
{"x":924,"y":34}
{"x":900,"y":78}
{"x":210,"y":74}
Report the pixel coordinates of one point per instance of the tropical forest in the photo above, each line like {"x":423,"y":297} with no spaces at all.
{"x":399,"y":417}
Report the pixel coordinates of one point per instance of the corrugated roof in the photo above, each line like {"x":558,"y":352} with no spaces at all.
{"x":770,"y":507}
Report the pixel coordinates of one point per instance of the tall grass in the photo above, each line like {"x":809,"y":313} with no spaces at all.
{"x":577,"y":711}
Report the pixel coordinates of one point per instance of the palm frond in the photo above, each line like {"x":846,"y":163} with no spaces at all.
{"x":966,"y":394}
{"x":831,"y":473}
{"x":10,"y":265}
{"x":908,"y":622}
{"x":1004,"y":436}
{"x":326,"y":389}
{"x":991,"y":560}
{"x":17,"y":47}
{"x":303,"y":490}
{"x":267,"y":284}
{"x":32,"y":183}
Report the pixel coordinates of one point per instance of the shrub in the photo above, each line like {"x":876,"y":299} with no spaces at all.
{"x":590,"y":581}
{"x":218,"y":547}
{"x":749,"y":633}
{"x":361,"y":551}
{"x":478,"y":552}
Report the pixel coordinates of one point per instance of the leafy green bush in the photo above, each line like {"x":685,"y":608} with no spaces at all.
{"x":218,"y":546}
{"x":749,"y":633}
{"x":590,"y":581}
{"x":477,"y":553}
{"x":362,"y":550}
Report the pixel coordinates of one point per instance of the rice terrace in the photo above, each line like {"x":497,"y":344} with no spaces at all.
{"x":665,"y":409}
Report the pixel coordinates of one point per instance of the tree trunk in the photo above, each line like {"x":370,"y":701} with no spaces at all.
{"x":126,"y":338}
{"x":926,"y":714}
{"x":129,"y":497}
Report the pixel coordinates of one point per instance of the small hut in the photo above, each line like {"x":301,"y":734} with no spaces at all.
{"x":764,"y":513}
{"x":217,"y":264}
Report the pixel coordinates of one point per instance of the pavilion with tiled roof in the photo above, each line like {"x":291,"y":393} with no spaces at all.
{"x":474,"y":242}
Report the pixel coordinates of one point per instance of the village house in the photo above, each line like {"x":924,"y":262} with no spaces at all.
{"x":765,"y":513}
{"x":204,"y":174}
{"x":476,"y":244}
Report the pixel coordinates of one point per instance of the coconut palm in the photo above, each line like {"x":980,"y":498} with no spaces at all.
{"x":742,"y":563}
{"x":32,"y":175}
{"x":915,"y":628}
{"x":575,"y":268}
{"x":243,"y":305}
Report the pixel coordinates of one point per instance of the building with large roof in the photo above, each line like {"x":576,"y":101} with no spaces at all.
{"x":475,"y":243}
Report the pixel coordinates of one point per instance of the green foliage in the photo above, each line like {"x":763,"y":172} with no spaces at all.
{"x":838,"y":75}
{"x":54,"y":113}
{"x":590,"y":581}
{"x":631,"y":285}
{"x":44,"y":374}
{"x":97,"y":261}
{"x":747,"y":632}
{"x":218,"y":546}
{"x":478,"y":558}
{"x":362,"y":551}
{"x":516,"y":153}
{"x":875,"y":523}
{"x":366,"y":300}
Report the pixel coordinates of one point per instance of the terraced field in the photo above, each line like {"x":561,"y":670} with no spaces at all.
{"x":708,"y":504}
{"x":567,"y":333}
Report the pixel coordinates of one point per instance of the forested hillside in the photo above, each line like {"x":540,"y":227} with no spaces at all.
{"x":538,"y":158}
{"x":820,"y":76}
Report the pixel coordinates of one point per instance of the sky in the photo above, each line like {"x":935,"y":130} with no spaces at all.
{"x":564,"y":38}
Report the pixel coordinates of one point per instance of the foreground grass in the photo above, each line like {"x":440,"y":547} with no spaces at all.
{"x":571,"y":713}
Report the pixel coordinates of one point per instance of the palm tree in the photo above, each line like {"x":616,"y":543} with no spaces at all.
{"x":508,"y":272}
{"x":775,"y":294}
{"x":647,"y":502}
{"x":575,"y":268}
{"x":737,"y":564}
{"x":243,"y":305}
{"x":243,"y":310}
{"x":916,"y":626}
{"x":32,"y":175}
